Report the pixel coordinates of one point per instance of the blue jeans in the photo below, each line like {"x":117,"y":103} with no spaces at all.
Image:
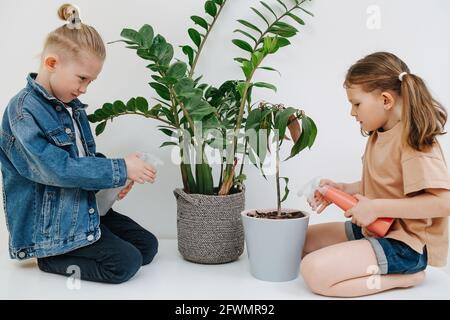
{"x":393,"y":256}
{"x":124,"y":246}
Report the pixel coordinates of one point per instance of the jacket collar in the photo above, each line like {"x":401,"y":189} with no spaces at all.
{"x":74,"y":104}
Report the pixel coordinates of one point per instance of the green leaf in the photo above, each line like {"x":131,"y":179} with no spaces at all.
{"x":269,"y":8}
{"x":219,"y":2}
{"x":270,"y":44}
{"x":253,"y":120}
{"x":200,"y":21}
{"x":131,"y":105}
{"x":177,"y":70}
{"x":108,"y":109}
{"x":243,"y":45}
{"x":161,"y":50}
{"x":187,"y":50}
{"x":257,"y":57}
{"x":155,"y":110}
{"x":281,"y":121}
{"x":283,"y":32}
{"x":100,"y":128}
{"x":303,"y":142}
{"x":142,"y":104}
{"x":245,"y":33}
{"x":92,"y":118}
{"x":283,"y":42}
{"x":240,"y":60}
{"x":184,"y":85}
{"x":167,"y":55}
{"x":247,"y":67}
{"x":168,"y":132}
{"x":304,"y":10}
{"x":195,"y":36}
{"x":296,"y":18}
{"x":147,"y":35}
{"x":100,"y":114}
{"x":168,"y":113}
{"x":313,"y":133}
{"x":210,"y":8}
{"x":286,"y":26}
{"x":265,"y":85}
{"x":132,"y":35}
{"x":241,"y":87}
{"x":241,"y":178}
{"x":161,"y":90}
{"x":270,"y":69}
{"x":145,"y":54}
{"x":168,"y":143}
{"x":281,"y":2}
{"x":286,"y":188}
{"x":119,"y":107}
{"x":261,"y":16}
{"x":250,"y":25}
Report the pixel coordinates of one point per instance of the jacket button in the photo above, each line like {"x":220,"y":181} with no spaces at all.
{"x":90,"y":237}
{"x":91,"y":210}
{"x":58,"y":108}
{"x":68,"y":131}
{"x":22,"y":254}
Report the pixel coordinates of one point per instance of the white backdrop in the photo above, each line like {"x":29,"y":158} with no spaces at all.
{"x":313,"y":69}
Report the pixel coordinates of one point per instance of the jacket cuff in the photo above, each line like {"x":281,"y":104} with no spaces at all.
{"x":119,"y":172}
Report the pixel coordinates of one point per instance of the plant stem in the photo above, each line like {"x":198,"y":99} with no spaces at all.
{"x":200,"y":47}
{"x":277,"y":177}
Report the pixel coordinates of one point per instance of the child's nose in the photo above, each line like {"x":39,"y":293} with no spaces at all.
{"x":82,"y":90}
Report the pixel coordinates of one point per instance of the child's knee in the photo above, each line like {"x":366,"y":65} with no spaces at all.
{"x":312,"y":271}
{"x":124,"y":266}
{"x":150,"y":249}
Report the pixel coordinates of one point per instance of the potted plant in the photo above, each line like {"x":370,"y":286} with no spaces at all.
{"x":275,"y":237}
{"x":199,"y":117}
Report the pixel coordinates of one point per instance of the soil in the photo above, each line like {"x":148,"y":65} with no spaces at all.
{"x":274,"y":215}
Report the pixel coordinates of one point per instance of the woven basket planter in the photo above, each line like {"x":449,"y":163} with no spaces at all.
{"x":210,"y":229}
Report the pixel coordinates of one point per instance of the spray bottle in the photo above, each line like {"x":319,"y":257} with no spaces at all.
{"x":107,"y":197}
{"x":344,"y":201}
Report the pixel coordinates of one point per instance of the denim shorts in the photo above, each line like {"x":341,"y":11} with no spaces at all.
{"x":393,"y":256}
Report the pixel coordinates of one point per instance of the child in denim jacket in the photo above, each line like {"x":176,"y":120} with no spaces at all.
{"x":51,"y":170}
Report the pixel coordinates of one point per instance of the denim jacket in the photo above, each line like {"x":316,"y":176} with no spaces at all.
{"x":48,"y":190}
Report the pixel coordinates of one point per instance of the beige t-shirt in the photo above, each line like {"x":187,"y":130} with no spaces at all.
{"x":394,"y":171}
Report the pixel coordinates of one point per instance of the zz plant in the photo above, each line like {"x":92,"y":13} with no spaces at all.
{"x":197,"y":114}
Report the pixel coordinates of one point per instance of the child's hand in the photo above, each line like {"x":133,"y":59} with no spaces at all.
{"x":138,"y":170}
{"x":363,"y":213}
{"x":319,"y":203}
{"x":125,"y":191}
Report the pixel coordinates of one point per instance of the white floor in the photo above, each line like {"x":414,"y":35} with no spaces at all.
{"x":171,"y":277}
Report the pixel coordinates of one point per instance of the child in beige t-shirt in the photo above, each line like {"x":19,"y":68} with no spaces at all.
{"x":404,"y":177}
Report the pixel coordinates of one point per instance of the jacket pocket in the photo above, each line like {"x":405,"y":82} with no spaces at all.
{"x":60,"y":137}
{"x":48,"y":209}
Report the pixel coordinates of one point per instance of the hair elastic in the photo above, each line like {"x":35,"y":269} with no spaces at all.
{"x":401,"y":75}
{"x":74,"y":21}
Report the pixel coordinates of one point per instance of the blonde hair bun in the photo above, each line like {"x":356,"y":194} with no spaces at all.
{"x":67,"y":10}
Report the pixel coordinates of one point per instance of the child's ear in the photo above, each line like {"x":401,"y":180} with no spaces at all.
{"x":388,"y":100}
{"x":50,"y":62}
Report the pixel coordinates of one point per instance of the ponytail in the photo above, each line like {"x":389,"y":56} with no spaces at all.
{"x":423,"y":117}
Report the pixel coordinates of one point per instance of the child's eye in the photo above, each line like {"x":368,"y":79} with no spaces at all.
{"x":356,"y":104}
{"x":82,"y":78}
